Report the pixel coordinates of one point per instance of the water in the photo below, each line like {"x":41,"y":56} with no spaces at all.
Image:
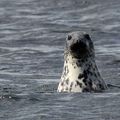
{"x":32,"y":38}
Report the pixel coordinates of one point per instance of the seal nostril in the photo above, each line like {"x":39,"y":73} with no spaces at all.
{"x":69,"y":37}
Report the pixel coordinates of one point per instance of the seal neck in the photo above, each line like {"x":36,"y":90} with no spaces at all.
{"x":68,"y":58}
{"x":73,"y":67}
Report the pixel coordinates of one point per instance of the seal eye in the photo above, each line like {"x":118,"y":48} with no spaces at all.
{"x":69,"y":37}
{"x":87,"y":36}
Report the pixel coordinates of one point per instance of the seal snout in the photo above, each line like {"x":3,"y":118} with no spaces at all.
{"x":79,"y":46}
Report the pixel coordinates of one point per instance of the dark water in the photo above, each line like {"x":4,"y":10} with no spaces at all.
{"x":32,"y":37}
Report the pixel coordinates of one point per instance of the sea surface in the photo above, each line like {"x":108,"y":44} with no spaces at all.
{"x":32,"y":39}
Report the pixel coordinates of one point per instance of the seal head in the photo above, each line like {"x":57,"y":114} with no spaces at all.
{"x":79,"y":45}
{"x":80,"y":72}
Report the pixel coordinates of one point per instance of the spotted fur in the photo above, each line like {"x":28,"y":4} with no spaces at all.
{"x":80,"y":73}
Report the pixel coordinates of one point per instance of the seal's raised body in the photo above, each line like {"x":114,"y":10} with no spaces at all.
{"x":80,"y":73}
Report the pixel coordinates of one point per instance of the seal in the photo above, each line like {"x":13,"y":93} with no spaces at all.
{"x":80,"y":72}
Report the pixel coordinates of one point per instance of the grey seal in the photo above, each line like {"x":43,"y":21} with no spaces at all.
{"x":80,"y":72}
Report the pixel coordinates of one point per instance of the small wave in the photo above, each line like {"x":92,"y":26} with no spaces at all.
{"x":41,"y":48}
{"x":108,"y":49}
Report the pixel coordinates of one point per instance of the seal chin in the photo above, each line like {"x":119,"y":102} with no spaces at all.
{"x":78,"y":49}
